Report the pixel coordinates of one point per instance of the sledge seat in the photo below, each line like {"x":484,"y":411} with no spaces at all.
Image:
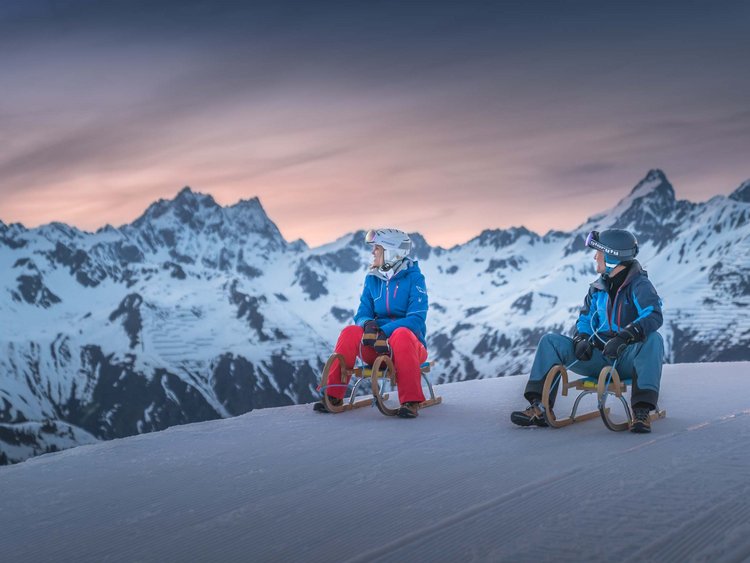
{"x":591,"y":384}
{"x":366,"y":371}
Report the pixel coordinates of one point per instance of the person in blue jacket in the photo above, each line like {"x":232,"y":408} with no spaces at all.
{"x":390,"y":318}
{"x":618,"y":321}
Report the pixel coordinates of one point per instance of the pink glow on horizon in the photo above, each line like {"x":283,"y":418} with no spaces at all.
{"x":319,"y":214}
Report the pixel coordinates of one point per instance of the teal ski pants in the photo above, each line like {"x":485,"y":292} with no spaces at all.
{"x":641,"y":363}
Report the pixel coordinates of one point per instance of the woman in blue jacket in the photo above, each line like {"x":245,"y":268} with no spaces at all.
{"x":391,"y":317}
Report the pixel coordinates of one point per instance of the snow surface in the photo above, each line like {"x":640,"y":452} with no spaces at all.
{"x":459,"y":483}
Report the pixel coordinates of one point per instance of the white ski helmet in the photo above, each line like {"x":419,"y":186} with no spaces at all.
{"x":396,"y":245}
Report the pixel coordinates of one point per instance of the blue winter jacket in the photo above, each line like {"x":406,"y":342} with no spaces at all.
{"x":636,"y":302}
{"x":400,"y":301}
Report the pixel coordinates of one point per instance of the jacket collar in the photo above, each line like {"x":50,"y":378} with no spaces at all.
{"x":634,"y":271}
{"x":400,"y":269}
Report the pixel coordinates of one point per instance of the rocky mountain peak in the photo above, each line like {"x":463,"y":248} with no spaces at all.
{"x":499,"y":238}
{"x":648,"y":208}
{"x":184,"y":207}
{"x":56,"y":231}
{"x":654,"y":186}
{"x":742,"y":193}
{"x":420,"y":249}
{"x":248,"y":216}
{"x":187,"y":197}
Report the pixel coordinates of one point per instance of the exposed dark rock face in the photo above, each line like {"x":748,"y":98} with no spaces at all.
{"x":310,"y":281}
{"x":31,"y":289}
{"x":132,"y":321}
{"x":248,"y":307}
{"x":342,"y":315}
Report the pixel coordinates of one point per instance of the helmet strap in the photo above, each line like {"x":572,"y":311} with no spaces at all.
{"x":388,"y":266}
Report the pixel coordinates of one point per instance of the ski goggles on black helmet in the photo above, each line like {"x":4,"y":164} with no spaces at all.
{"x":627,"y":242}
{"x":592,"y":241}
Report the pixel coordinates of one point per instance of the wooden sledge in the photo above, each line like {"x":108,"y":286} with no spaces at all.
{"x":382,"y":369}
{"x":608,"y":383}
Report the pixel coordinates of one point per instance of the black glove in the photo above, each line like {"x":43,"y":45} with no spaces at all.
{"x":381,"y":344}
{"x":617,"y":344}
{"x":371,"y":333}
{"x":584,"y":350}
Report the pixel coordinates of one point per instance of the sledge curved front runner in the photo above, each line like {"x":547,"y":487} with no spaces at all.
{"x":603,"y":389}
{"x":617,"y":387}
{"x":377,"y":388}
{"x":350,"y":403}
{"x":558,"y":375}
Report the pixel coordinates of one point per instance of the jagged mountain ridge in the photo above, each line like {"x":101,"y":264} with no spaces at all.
{"x":197,"y":311}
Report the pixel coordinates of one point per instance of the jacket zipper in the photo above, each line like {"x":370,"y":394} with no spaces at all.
{"x":387,"y":295}
{"x":612,"y":323}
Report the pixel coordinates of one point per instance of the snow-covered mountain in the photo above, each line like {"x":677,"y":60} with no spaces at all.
{"x":459,"y":483}
{"x":197,"y":311}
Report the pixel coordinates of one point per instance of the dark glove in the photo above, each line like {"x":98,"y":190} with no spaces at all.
{"x":584,"y":350}
{"x":371,"y":333}
{"x":381,"y":344}
{"x":617,"y":344}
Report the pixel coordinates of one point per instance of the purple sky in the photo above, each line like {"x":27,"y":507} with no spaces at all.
{"x":439,"y":117}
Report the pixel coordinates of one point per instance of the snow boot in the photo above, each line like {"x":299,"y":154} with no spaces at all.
{"x":409,"y":410}
{"x":532,"y":416}
{"x":641,"y":420}
{"x":320,"y":406}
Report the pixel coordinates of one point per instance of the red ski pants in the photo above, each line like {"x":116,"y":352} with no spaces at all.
{"x":408,"y":355}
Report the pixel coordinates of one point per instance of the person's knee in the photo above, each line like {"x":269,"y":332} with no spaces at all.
{"x":401,"y":336}
{"x":552,"y":339}
{"x":352,"y":330}
{"x":653,"y":346}
{"x":350,"y":335}
{"x":655,"y":341}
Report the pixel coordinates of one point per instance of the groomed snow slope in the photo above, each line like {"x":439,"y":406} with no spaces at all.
{"x":459,"y":483}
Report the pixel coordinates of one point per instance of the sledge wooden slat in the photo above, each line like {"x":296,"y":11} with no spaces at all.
{"x":587,"y":416}
{"x":368,"y":402}
{"x":430,"y":402}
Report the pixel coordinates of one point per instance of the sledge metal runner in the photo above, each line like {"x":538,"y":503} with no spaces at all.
{"x":381,"y":374}
{"x":608,"y":383}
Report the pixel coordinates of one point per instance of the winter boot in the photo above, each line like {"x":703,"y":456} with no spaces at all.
{"x":641,"y":420}
{"x":409,"y":410}
{"x":320,"y":406}
{"x":532,"y":416}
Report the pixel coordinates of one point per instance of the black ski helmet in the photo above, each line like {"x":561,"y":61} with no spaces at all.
{"x":618,"y":245}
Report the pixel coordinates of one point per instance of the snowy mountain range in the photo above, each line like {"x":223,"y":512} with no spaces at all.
{"x":197,"y":311}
